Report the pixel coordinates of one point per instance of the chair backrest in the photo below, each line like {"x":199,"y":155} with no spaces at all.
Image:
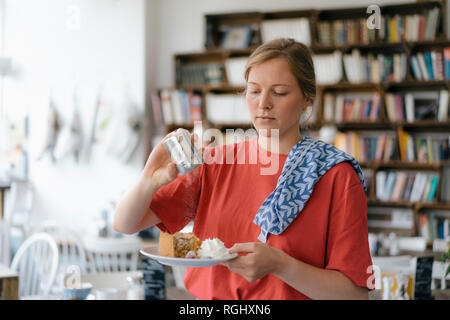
{"x":5,"y":248}
{"x":112,"y":254}
{"x":36,"y":262}
{"x":70,"y":245}
{"x":71,"y":250}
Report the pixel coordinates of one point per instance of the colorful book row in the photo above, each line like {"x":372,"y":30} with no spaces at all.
{"x":368,"y":146}
{"x":431,"y":65}
{"x":200,"y":74}
{"x":374,"y":68}
{"x":424,"y":148}
{"x":351,"y":107}
{"x":406,"y":186}
{"x":433,"y":227}
{"x":180,"y":107}
{"x":342,"y":32}
{"x":412,"y":27}
{"x":412,"y":106}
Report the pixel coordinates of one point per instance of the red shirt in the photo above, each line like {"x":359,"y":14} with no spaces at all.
{"x":331,"y":231}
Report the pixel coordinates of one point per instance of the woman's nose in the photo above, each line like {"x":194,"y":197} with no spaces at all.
{"x":265,"y":101}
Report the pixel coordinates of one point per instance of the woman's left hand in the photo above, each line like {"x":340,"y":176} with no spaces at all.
{"x":260,"y":260}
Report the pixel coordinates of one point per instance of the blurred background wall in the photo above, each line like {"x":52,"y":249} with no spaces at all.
{"x":62,"y":48}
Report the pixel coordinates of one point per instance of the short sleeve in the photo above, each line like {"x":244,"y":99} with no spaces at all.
{"x":347,"y":238}
{"x":176,"y":203}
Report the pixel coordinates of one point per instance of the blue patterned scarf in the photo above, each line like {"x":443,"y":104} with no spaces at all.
{"x":307,"y":162}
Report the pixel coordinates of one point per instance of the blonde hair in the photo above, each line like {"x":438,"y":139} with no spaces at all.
{"x":298,"y":57}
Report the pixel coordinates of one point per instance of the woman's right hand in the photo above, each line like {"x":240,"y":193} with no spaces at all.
{"x":159,"y":167}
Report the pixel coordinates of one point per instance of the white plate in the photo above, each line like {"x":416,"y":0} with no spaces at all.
{"x":152,"y":252}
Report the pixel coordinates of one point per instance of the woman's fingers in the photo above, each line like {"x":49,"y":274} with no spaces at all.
{"x":235,"y":264}
{"x":243,"y":247}
{"x":172,"y":170}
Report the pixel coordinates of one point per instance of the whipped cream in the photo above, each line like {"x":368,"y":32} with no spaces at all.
{"x":213,"y":249}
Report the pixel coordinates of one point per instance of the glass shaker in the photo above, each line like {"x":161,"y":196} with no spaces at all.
{"x":136,"y":289}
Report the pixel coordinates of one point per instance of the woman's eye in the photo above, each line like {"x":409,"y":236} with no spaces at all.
{"x":280,"y":93}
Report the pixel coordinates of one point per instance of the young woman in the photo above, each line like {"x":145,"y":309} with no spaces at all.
{"x":321,"y":253}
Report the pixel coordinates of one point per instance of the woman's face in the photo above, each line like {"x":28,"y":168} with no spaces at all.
{"x":274,"y":98}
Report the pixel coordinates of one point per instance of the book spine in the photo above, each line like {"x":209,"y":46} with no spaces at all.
{"x":429,"y":65}
{"x":447,"y":62}
{"x":433,"y":188}
{"x":423,"y":219}
{"x":439,"y":65}
{"x":423,"y":66}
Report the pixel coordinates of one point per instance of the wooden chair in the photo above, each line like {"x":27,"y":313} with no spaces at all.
{"x":36,"y":262}
{"x":112,"y":254}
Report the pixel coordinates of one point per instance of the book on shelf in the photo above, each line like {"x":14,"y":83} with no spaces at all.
{"x":344,"y":32}
{"x":236,"y":37}
{"x":295,"y":28}
{"x":427,"y":65}
{"x":411,"y":186}
{"x":413,"y":106}
{"x":344,"y":107}
{"x":178,"y":106}
{"x":368,"y":146}
{"x":447,"y":62}
{"x":328,"y":67}
{"x":424,"y":147}
{"x":445,"y":184}
{"x":324,"y":33}
{"x":195,"y":101}
{"x":227,"y":109}
{"x":347,"y":32}
{"x":156,"y":107}
{"x":434,"y":225}
{"x":410,"y":27}
{"x":166,"y":106}
{"x":370,"y":68}
{"x":192,"y":74}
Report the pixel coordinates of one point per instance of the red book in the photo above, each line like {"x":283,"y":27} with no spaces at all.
{"x":195,"y":106}
{"x":399,"y":107}
{"x":421,"y":27}
{"x":375,"y":107}
{"x":380,"y":148}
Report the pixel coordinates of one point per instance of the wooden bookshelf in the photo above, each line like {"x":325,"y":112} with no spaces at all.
{"x":367,"y":42}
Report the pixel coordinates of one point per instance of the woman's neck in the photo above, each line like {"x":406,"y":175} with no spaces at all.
{"x":276,"y":144}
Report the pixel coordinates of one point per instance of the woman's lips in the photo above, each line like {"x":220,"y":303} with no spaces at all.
{"x":265,"y":119}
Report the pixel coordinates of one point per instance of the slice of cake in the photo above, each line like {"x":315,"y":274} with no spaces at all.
{"x":178,"y":244}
